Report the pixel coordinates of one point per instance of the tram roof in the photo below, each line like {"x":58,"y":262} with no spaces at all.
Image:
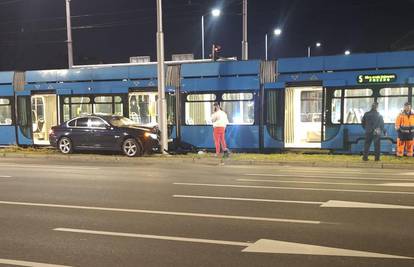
{"x":371,"y":61}
{"x":6,"y":77}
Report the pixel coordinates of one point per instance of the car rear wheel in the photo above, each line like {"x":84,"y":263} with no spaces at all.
{"x":65,"y":145}
{"x":131,"y":148}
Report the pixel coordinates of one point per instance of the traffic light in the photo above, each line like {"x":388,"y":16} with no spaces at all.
{"x":215,"y":52}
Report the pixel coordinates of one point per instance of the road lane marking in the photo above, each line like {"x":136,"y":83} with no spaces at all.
{"x":250,"y":199}
{"x":332,"y":183}
{"x":261,"y":246}
{"x":28,"y":263}
{"x":303,"y":182}
{"x":47,"y":167}
{"x":157,"y":212}
{"x":327,"y":204}
{"x":326,"y":177}
{"x":293,"y":169}
{"x":399,"y":184}
{"x":281,"y":247}
{"x":5,"y":176}
{"x":295,"y":188}
{"x":362,"y":205}
{"x":157,"y":237}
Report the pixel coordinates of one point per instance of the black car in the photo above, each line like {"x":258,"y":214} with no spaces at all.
{"x":112,"y":133}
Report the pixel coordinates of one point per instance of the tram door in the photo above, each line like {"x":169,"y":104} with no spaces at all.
{"x":303,"y":117}
{"x":44,"y":117}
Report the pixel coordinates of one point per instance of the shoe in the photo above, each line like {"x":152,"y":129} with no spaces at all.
{"x":365,"y":159}
{"x":377,"y":160}
{"x":226,"y":154}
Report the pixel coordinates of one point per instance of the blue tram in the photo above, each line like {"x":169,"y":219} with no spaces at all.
{"x":300,"y":103}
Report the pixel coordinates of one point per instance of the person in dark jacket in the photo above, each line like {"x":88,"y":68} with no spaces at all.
{"x":373,"y":124}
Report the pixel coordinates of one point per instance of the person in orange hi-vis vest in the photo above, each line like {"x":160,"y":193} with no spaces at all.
{"x":405,"y":128}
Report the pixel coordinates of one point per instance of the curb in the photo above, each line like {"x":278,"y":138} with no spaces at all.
{"x":205,"y":161}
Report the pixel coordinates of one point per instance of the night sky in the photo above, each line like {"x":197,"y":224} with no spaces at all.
{"x":32,"y":32}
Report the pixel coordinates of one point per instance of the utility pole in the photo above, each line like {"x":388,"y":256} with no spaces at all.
{"x":162,"y":103}
{"x":69,"y":31}
{"x":245,"y":45}
{"x":202,"y":38}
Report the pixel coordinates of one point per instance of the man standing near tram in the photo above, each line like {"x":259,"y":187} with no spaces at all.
{"x":373,"y":124}
{"x":404,"y":124}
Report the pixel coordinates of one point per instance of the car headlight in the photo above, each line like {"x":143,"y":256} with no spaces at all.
{"x":151,"y":135}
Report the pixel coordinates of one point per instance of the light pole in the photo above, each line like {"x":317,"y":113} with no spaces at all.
{"x":215,"y":13}
{"x":276,"y":32}
{"x":245,"y":44}
{"x":317,"y":45}
{"x":162,"y":103}
{"x":69,"y":33}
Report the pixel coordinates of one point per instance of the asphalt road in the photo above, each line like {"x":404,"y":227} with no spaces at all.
{"x":159,"y":214}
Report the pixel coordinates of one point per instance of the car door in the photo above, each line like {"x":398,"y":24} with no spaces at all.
{"x":103,"y":135}
{"x":80,"y":132}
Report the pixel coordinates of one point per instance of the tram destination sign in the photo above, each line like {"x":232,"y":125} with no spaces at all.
{"x":377,"y":78}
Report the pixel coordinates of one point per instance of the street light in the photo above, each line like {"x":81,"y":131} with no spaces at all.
{"x":276,"y":32}
{"x":317,"y":45}
{"x":347,"y":52}
{"x":69,"y":34}
{"x":162,"y":103}
{"x":245,"y":43}
{"x":215,"y":13}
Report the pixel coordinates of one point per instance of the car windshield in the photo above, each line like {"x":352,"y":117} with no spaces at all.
{"x":121,"y":121}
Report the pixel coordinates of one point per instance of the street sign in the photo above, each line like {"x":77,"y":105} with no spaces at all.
{"x":140,"y":59}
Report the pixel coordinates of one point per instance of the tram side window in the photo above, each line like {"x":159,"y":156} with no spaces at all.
{"x":239,"y":108}
{"x":336,"y":107}
{"x":143,"y":107}
{"x":76,"y":106}
{"x":198,"y":109}
{"x":391,"y":102}
{"x":5,"y":112}
{"x":108,"y":105}
{"x":356,"y":103}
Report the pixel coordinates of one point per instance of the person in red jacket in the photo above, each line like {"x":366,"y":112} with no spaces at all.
{"x":404,"y":125}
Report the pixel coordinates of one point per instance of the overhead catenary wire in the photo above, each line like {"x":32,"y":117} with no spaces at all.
{"x":118,"y":23}
{"x":10,"y":2}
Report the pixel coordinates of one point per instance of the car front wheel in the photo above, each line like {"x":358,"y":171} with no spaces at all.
{"x":131,"y":148}
{"x":65,"y":145}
